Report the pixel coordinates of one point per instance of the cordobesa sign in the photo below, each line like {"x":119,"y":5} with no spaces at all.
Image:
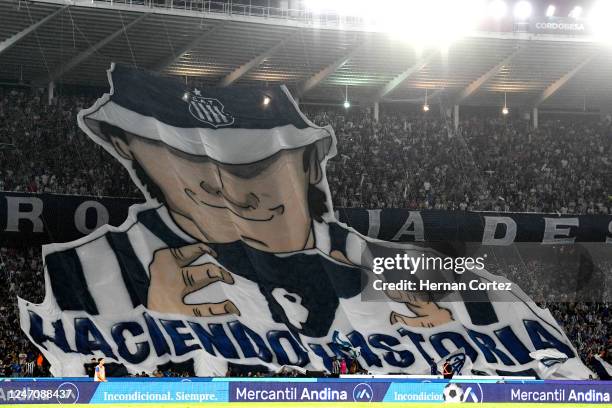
{"x":560,"y":25}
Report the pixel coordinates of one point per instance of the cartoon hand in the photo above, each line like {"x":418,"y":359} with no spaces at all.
{"x":172,"y":279}
{"x":428,"y":314}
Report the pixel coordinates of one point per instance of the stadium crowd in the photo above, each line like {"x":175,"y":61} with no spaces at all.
{"x":21,"y":272}
{"x":489,"y":164}
{"x":402,"y":160}
{"x":43,"y":151}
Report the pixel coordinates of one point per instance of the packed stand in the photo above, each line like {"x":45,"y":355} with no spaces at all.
{"x":589,"y":327}
{"x":21,"y":272}
{"x":560,"y":167}
{"x":403,"y":160}
{"x":418,"y":161}
{"x":42,"y":149}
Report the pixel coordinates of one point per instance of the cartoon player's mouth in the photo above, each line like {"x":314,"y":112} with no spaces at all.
{"x":278,"y":210}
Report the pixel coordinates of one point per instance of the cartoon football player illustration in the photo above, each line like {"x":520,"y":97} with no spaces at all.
{"x":242,"y":195}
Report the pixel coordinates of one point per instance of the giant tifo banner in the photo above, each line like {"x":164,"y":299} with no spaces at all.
{"x":215,"y":390}
{"x":237,"y":257}
{"x":28,"y":218}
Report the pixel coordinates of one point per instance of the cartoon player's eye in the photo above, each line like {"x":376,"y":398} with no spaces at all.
{"x":291,"y":298}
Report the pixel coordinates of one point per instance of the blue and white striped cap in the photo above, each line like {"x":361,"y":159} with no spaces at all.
{"x":231,"y":125}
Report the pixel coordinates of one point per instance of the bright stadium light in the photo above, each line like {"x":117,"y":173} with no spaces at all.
{"x":497,"y":9}
{"x":522,"y":10}
{"x":422,"y":22}
{"x":505,"y":110}
{"x":599,"y":19}
{"x":266,"y":100}
{"x":576,"y":12}
{"x":346,"y":103}
{"x":425,"y":105}
{"x":186,"y":96}
{"x":550,"y":11}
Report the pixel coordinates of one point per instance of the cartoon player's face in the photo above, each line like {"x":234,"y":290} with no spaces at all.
{"x":264,"y":204}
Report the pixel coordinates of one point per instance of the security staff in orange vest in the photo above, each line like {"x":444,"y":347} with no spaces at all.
{"x":447,"y":370}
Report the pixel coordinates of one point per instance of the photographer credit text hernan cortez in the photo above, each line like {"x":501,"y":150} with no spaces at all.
{"x":411,"y":264}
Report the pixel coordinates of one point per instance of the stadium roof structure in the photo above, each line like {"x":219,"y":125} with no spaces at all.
{"x":208,"y":43}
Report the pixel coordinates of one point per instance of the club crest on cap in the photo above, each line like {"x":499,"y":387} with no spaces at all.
{"x":207,"y":110}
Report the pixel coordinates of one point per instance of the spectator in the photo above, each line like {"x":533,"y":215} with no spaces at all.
{"x":15,"y":368}
{"x":28,"y":370}
{"x":343,"y":368}
{"x":336,"y":366}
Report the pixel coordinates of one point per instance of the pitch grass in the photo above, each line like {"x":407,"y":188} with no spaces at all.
{"x":322,"y":405}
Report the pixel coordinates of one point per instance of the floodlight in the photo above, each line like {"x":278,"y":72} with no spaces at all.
{"x":266,"y":100}
{"x":522,"y":10}
{"x":576,"y":12}
{"x":550,"y":11}
{"x":599,"y":20}
{"x":346,"y":104}
{"x":505,"y":108}
{"x":426,"y":105}
{"x":497,"y":9}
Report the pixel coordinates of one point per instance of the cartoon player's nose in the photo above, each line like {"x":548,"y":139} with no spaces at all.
{"x":250,"y":202}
